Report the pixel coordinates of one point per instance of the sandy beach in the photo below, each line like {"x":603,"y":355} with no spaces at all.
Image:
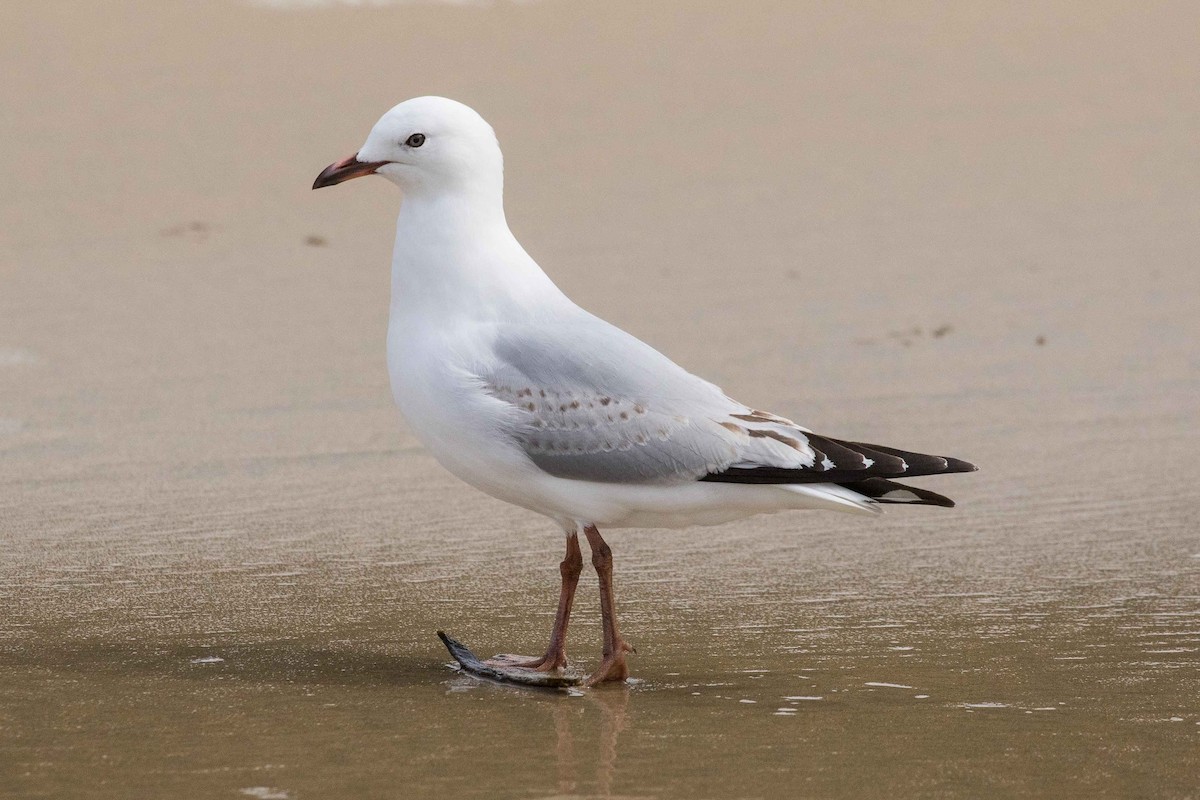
{"x":223,"y":555}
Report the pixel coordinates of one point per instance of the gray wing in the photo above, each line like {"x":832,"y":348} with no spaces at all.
{"x":590,"y":402}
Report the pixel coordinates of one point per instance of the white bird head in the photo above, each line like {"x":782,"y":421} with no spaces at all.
{"x":426,"y":145}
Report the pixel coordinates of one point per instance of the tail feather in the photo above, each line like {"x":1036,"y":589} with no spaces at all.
{"x":832,"y":497}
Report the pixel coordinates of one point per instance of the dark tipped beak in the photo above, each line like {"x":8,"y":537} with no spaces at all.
{"x":344,"y":170}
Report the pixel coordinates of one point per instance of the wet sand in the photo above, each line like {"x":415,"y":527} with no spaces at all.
{"x":223,"y":558}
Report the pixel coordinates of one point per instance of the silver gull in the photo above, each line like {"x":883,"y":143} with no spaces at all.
{"x":523,"y":394}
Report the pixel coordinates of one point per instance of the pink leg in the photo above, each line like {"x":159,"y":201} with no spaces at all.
{"x":556,"y":651}
{"x":613,"y":666}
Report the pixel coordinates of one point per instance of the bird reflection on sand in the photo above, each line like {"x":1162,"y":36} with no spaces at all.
{"x":587,"y":728}
{"x":614,"y":720}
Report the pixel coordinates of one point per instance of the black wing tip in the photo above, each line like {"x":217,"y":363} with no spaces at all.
{"x":939,"y":500}
{"x":889,"y":462}
{"x":917,"y":464}
{"x":884,"y":491}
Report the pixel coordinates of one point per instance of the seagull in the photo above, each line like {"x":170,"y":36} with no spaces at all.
{"x":523,"y":394}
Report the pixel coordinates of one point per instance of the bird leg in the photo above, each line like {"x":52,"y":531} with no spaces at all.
{"x":612,"y":666}
{"x":556,"y":651}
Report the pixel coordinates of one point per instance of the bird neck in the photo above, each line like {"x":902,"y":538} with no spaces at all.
{"x":455,"y":257}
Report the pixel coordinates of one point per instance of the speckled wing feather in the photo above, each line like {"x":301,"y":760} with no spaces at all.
{"x":594,"y":403}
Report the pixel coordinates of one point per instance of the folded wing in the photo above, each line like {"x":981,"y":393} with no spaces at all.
{"x":607,"y":407}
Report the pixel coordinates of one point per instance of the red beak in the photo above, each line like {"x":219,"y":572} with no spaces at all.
{"x":344,"y":170}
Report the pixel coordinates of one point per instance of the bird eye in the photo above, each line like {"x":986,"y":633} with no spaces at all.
{"x":416,"y":140}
